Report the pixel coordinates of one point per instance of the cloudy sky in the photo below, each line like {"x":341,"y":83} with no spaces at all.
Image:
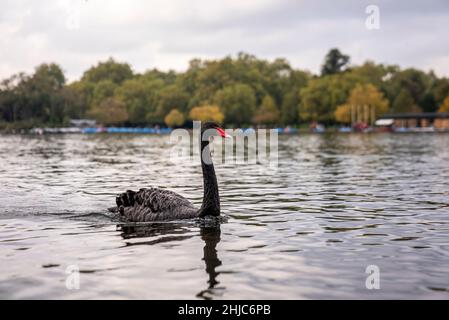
{"x":168,"y":33}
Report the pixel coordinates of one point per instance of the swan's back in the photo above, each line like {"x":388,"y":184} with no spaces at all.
{"x":154,"y":204}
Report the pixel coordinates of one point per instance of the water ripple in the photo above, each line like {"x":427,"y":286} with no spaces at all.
{"x":336,"y":205}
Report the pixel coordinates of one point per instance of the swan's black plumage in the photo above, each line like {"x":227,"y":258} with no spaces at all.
{"x":155,"y":204}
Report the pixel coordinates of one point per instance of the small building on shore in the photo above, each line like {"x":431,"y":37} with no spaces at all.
{"x":83,"y":123}
{"x":415,"y":121}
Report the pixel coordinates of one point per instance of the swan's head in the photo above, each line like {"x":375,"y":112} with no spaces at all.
{"x":210,"y":126}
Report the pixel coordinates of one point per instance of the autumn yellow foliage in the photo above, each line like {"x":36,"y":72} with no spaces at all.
{"x":362,"y":95}
{"x":343,"y":113}
{"x":445,"y":105}
{"x":207,"y":113}
{"x":174,"y":118}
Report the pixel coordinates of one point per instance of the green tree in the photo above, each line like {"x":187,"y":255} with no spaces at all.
{"x":404,"y":102}
{"x":77,"y":99}
{"x":49,"y":76}
{"x":9,"y":97}
{"x":40,"y":96}
{"x":238,"y":103}
{"x":140,"y":97}
{"x":267,"y":114}
{"x":440,"y":90}
{"x":174,"y":118}
{"x":334,"y":62}
{"x":290,"y":108}
{"x":169,"y":97}
{"x":108,"y":70}
{"x":236,"y":84}
{"x":321,"y":96}
{"x":110,"y":111}
{"x":416,"y":82}
{"x":373,"y":73}
{"x":428,"y":103}
{"x":103,"y":90}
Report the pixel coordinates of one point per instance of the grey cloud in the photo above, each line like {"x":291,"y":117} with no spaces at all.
{"x":147,"y":34}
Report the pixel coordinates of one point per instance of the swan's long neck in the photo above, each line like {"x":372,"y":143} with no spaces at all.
{"x":211,"y":199}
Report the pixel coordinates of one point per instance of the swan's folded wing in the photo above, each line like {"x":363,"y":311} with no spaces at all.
{"x":161,"y":200}
{"x":155,"y":204}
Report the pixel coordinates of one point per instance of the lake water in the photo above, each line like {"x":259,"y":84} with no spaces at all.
{"x":337,"y":204}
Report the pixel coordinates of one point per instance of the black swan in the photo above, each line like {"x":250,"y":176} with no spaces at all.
{"x":154,"y":204}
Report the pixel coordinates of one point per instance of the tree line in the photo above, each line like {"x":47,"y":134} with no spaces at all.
{"x":237,"y":91}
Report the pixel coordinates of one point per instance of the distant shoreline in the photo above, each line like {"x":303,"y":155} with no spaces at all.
{"x":166,"y":131}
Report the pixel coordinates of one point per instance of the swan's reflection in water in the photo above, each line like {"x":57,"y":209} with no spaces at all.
{"x":156,"y":233}
{"x":211,"y":237}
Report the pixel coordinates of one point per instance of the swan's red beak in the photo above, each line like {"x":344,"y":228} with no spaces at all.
{"x":222,"y":133}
